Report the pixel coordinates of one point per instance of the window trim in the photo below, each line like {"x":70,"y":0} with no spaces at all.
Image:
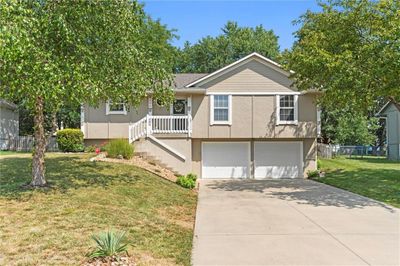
{"x":229,"y":121}
{"x":278,"y":110}
{"x":109,"y":112}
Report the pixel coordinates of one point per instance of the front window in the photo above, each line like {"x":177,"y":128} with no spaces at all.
{"x":115,"y":108}
{"x":286,"y":105}
{"x":220,"y":113}
{"x":287,"y":109}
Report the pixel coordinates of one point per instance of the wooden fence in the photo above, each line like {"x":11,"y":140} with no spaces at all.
{"x":25,"y":143}
{"x":325,"y":151}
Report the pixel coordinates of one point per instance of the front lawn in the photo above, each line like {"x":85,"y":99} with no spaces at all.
{"x":373,"y":177}
{"x":53,"y":226}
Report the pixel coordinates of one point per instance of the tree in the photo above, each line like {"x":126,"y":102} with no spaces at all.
{"x":212,"y":53}
{"x":347,"y":127}
{"x":54,"y":53}
{"x":351,"y":51}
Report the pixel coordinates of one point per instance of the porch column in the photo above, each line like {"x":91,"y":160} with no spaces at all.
{"x":149,"y":105}
{"x":189,"y":112}
{"x":149,"y":114}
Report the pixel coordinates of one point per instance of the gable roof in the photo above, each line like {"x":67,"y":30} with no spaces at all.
{"x":181,"y":80}
{"x":238,"y":63}
{"x":387,"y":105}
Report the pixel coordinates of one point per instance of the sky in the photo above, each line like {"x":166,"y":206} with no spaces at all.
{"x":193,"y":20}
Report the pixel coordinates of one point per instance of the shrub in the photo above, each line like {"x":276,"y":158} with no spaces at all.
{"x":313,"y":173}
{"x":91,"y":148}
{"x":70,"y":140}
{"x":119,"y":147}
{"x":108,"y":244}
{"x":188,"y":181}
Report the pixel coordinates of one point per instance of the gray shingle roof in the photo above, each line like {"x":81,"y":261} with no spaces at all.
{"x":9,"y":105}
{"x":181,"y":80}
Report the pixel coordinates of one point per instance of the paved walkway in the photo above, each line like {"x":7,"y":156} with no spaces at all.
{"x":291,"y":222}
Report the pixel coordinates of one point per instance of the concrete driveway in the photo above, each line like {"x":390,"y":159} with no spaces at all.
{"x":291,"y":222}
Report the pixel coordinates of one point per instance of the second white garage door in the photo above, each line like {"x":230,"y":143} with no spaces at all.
{"x":278,"y":159}
{"x":226,"y":160}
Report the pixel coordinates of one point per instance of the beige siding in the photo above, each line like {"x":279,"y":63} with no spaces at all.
{"x":182,"y":145}
{"x":251,"y":77}
{"x":9,"y":126}
{"x":254,"y":117}
{"x":98,"y":125}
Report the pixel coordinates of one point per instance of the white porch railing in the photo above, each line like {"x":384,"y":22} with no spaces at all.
{"x":160,"y":124}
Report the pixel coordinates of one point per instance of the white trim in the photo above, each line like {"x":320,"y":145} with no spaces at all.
{"x":83,"y":121}
{"x":108,"y":112}
{"x":296,"y":111}
{"x":383,"y":108}
{"x":253,"y":93}
{"x":167,"y":147}
{"x":249,"y":152}
{"x":277,"y":66}
{"x":212,"y":121}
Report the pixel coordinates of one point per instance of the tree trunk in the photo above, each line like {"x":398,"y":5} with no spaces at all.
{"x":38,"y":167}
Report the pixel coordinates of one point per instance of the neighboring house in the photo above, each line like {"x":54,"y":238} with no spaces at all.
{"x":9,"y":124}
{"x":391,"y":111}
{"x":242,"y":121}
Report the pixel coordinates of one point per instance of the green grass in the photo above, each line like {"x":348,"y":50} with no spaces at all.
{"x":373,"y":177}
{"x":13,"y":152}
{"x":52,"y":226}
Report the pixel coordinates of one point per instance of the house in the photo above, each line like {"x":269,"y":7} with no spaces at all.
{"x":9,"y":124}
{"x":391,"y":111}
{"x":241,"y":121}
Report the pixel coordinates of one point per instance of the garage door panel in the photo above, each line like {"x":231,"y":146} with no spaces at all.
{"x":226,"y":160}
{"x":277,"y":159}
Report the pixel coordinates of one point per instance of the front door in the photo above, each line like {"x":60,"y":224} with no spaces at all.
{"x":179,"y":109}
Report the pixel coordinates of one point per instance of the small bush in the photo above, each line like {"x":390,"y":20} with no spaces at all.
{"x":108,"y":244}
{"x":91,"y":148}
{"x":188,"y":181}
{"x":313,"y":173}
{"x":119,"y":147}
{"x":70,"y":140}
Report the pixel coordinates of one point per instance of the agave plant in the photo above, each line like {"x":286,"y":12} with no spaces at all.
{"x":108,"y":244}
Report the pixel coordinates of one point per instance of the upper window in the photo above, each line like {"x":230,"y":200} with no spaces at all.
{"x":287,"y":109}
{"x":221,"y":109}
{"x":115,"y":108}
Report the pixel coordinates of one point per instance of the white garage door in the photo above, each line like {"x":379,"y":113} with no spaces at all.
{"x":278,"y":159}
{"x":226,"y":160}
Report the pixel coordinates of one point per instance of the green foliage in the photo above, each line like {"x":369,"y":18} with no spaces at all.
{"x":75,"y":52}
{"x":313,"y":173}
{"x":319,"y":164}
{"x":90,"y":148}
{"x":108,"y":244}
{"x":119,"y":147}
{"x":349,"y":127}
{"x":212,"y":53}
{"x":349,"y":50}
{"x":188,"y":181}
{"x":70,"y":140}
{"x":81,"y":52}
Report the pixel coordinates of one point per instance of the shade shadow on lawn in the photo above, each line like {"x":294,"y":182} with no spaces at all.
{"x":63,"y":173}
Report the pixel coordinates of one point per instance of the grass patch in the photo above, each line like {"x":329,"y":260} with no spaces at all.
{"x":13,"y":152}
{"x":373,"y":177}
{"x":53,"y":225}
